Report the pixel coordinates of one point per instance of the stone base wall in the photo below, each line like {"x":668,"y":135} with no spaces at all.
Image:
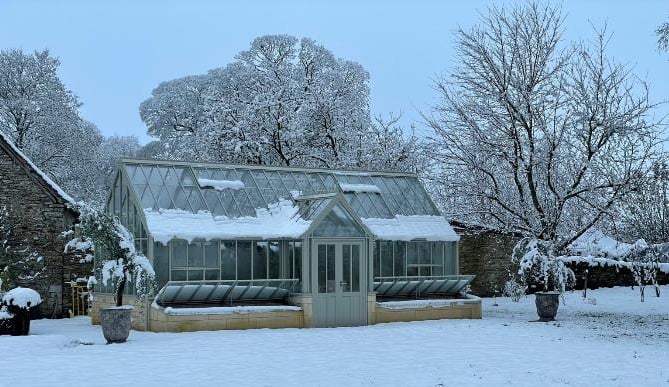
{"x":159,"y":321}
{"x":304,"y":301}
{"x":146,"y":317}
{"x":105,"y":300}
{"x":371,"y":308}
{"x":458,"y":310}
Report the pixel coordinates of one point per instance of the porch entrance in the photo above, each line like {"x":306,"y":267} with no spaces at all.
{"x":339,"y":283}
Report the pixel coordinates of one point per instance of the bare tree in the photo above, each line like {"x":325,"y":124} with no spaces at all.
{"x":534,"y":134}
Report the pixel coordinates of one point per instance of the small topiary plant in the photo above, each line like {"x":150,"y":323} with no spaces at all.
{"x":116,"y":257}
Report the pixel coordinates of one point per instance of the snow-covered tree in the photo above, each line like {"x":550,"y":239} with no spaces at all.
{"x":283,"y":101}
{"x":384,"y":147}
{"x":42,"y":117}
{"x":534,"y":134}
{"x":101,"y":173}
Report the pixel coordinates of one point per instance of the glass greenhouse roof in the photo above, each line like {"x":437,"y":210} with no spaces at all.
{"x":236,"y":191}
{"x":195,"y":200}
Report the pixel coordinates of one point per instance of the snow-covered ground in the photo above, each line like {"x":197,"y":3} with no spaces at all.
{"x":615,"y":340}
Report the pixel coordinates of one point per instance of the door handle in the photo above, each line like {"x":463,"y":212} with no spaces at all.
{"x":342,"y":283}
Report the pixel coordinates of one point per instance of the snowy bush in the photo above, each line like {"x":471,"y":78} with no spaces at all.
{"x":514,"y":290}
{"x":538,"y":265}
{"x":116,"y":257}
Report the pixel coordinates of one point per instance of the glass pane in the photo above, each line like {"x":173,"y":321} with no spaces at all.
{"x":211,"y":275}
{"x":274,"y":259}
{"x":386,"y":259}
{"x":257,"y":200}
{"x":338,"y":223}
{"x":179,"y":198}
{"x":260,"y":178}
{"x":377,"y":263}
{"x":210,"y":254}
{"x":326,"y":268}
{"x":400,"y":258}
{"x":424,"y":253}
{"x":355,"y":273}
{"x":178,"y":275}
{"x":161,"y":264}
{"x":288,"y":180}
{"x":322,"y":269}
{"x":412,"y":259}
{"x":260,"y":260}
{"x":297,"y":256}
{"x":331,"y":268}
{"x":316,"y":182}
{"x":195,"y":254}
{"x":451,"y":258}
{"x":244,"y":260}
{"x":228,"y":264}
{"x":437,"y":258}
{"x":195,"y":275}
{"x":179,"y":253}
{"x":346,"y":268}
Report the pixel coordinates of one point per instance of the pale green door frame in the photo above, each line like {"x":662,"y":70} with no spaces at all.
{"x":339,"y":282}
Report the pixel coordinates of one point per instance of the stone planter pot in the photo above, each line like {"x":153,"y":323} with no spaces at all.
{"x":116,"y":323}
{"x":547,"y":305}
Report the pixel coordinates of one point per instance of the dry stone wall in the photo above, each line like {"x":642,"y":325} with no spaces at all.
{"x":486,"y":254}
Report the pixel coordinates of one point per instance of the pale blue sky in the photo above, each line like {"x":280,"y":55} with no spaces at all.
{"x":114,"y":53}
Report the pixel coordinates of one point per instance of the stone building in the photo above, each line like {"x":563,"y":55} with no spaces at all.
{"x":39,"y":214}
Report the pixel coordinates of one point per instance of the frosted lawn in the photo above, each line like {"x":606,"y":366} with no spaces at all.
{"x":609,"y":339}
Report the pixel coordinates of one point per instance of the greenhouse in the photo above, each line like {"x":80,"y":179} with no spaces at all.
{"x":330,"y":243}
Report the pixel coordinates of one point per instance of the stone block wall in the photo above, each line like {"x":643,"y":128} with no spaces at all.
{"x":470,"y":309}
{"x":160,"y":321}
{"x":486,"y":254}
{"x":38,"y":221}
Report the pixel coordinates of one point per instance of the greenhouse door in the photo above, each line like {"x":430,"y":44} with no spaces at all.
{"x":340,"y":294}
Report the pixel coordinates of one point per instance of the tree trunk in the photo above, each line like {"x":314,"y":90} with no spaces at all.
{"x":119,"y":290}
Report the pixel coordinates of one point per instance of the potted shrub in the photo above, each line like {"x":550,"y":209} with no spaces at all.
{"x":16,"y":304}
{"x":543,"y":273}
{"x":118,"y":261}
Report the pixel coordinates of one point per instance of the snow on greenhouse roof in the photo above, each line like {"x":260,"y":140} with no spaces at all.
{"x":359,"y":188}
{"x":279,"y":221}
{"x":406,"y":228}
{"x":220,"y":185}
{"x":50,"y":183}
